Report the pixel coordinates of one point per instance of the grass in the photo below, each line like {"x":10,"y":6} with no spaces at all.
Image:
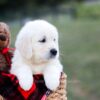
{"x":80,"y":54}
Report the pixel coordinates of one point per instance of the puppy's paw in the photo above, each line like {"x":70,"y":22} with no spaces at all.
{"x":52,"y":82}
{"x":26,"y":83}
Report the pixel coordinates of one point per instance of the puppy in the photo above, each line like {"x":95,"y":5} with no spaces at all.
{"x":4,"y":35}
{"x":37,"y":52}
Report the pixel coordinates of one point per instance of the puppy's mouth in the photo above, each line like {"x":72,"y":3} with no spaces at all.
{"x":52,"y":57}
{"x":3,"y":38}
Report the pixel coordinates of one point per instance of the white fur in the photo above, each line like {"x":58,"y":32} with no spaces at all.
{"x":33,"y":57}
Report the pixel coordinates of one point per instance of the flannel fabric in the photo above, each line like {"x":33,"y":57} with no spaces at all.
{"x":9,"y":86}
{"x":10,"y":89}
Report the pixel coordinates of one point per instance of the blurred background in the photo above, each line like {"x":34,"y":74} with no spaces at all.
{"x":78,"y":22}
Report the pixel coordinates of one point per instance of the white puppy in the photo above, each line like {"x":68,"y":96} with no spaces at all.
{"x":37,"y":52}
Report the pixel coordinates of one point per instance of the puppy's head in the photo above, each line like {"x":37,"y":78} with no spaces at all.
{"x":4,"y":35}
{"x":38,"y":41}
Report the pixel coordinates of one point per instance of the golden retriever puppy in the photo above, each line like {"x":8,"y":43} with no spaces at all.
{"x":37,"y":51}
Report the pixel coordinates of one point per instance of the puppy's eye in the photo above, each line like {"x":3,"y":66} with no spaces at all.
{"x":43,"y":40}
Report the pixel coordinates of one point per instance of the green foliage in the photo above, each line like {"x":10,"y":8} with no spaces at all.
{"x":88,"y":10}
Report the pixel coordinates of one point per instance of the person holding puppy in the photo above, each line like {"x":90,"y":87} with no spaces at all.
{"x":39,"y":56}
{"x":9,"y":85}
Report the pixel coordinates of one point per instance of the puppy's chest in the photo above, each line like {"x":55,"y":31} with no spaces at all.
{"x":37,"y":69}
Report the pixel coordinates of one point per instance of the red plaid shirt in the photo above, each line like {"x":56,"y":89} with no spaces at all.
{"x":10,"y":89}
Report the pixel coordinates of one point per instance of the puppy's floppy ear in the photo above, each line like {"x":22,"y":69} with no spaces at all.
{"x":24,"y":45}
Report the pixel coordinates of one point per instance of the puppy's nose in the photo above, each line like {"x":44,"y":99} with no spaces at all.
{"x":53,"y":52}
{"x":2,"y":38}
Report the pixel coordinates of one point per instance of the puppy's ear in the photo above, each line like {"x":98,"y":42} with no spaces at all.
{"x":24,"y":45}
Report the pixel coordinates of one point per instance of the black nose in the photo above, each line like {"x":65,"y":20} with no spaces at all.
{"x":53,"y":52}
{"x":2,"y":38}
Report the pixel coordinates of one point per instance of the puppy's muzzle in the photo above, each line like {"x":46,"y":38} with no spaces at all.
{"x":3,"y":38}
{"x":53,"y":53}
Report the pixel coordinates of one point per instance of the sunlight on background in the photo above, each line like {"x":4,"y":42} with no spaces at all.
{"x":78,"y":22}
